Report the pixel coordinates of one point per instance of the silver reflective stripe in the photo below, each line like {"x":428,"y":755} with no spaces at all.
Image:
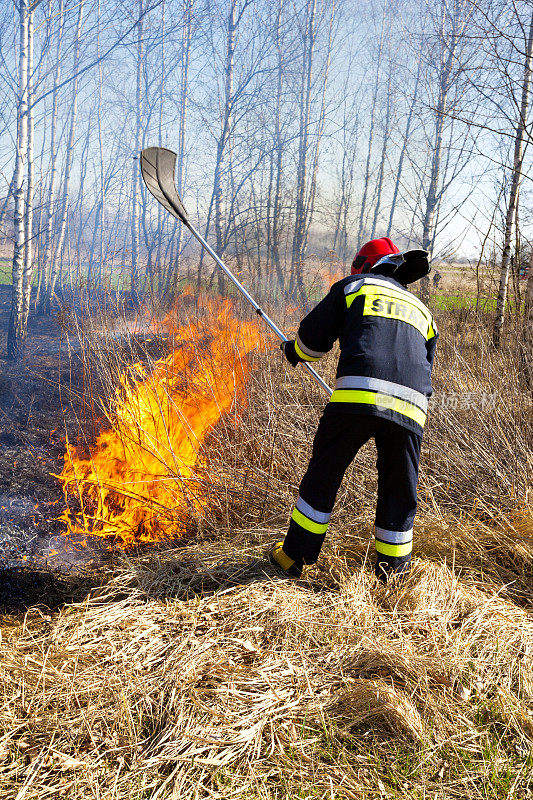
{"x":391,"y":258}
{"x":353,"y":287}
{"x":384,"y":387}
{"x":408,"y":295}
{"x":312,"y":513}
{"x":307,"y":351}
{"x":393,"y":537}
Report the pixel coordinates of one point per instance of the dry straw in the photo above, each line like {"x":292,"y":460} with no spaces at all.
{"x":196,"y":674}
{"x":193,"y":672}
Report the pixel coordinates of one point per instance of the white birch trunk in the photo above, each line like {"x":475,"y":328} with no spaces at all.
{"x":513,"y":194}
{"x":27,"y":274}
{"x":16,"y":332}
{"x":310,"y":204}
{"x":184,"y":98}
{"x":303,"y":148}
{"x":381,"y":171}
{"x":58,"y":250}
{"x":136,"y":177}
{"x":350,"y":129}
{"x":47,"y":259}
{"x":397,"y":182}
{"x":227,"y":121}
{"x":163,"y":276}
{"x":275,"y":232}
{"x":94,"y":274}
{"x":366,"y":181}
{"x":433,"y":196}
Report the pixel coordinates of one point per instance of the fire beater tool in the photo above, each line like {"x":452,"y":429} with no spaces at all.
{"x":157,"y":169}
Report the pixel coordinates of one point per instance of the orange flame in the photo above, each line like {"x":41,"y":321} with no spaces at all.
{"x":143,"y":479}
{"x":333,"y":277}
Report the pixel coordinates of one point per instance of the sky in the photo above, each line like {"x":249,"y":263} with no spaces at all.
{"x":383,"y":39}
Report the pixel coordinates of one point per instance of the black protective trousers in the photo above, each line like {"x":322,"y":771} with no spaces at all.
{"x":338,"y":438}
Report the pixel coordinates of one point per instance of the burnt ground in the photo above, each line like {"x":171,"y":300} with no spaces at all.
{"x":41,"y":399}
{"x":45,"y":397}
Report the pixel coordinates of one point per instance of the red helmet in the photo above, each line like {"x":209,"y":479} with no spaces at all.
{"x":371,"y":252}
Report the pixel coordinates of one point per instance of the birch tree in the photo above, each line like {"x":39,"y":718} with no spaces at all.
{"x":16,"y":330}
{"x":309,"y":140}
{"x":226,"y":116}
{"x":450,"y":21}
{"x":346,"y":163}
{"x":309,"y":40}
{"x":516,"y":178}
{"x":27,"y":272}
{"x":54,"y":157}
{"x":378,"y":56}
{"x":274,"y":200}
{"x":99,"y":222}
{"x":345,"y":179}
{"x":242,"y":74}
{"x":186,"y":43}
{"x":136,"y":176}
{"x":403,"y":151}
{"x":383,"y":157}
{"x":66,"y":177}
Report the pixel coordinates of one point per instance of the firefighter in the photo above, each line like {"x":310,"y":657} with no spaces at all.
{"x":387,"y":340}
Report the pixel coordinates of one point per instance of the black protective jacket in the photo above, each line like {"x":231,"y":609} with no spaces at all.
{"x":387,"y":338}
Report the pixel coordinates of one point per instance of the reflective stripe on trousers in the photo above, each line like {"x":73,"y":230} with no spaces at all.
{"x":337,"y":441}
{"x":393,"y":543}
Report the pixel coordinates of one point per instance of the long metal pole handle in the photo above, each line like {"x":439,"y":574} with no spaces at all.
{"x":272,"y":325}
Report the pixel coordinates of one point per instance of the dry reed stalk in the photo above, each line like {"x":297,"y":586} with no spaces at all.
{"x":261,"y":678}
{"x":194,"y":673}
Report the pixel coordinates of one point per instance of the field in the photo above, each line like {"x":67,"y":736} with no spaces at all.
{"x":187,"y":668}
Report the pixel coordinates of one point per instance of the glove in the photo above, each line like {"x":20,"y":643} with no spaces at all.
{"x":290,"y":353}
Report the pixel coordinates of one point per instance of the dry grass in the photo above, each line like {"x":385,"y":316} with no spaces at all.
{"x":193,"y":672}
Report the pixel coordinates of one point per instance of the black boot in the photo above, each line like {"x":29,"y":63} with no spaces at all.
{"x":388,"y":568}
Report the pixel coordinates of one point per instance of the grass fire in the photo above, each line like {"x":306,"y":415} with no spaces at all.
{"x":185,"y":666}
{"x":145,"y":477}
{"x":266,"y":400}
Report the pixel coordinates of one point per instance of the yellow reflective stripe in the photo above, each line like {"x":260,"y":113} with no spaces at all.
{"x":391,"y":308}
{"x":351,"y":297}
{"x":431,"y":332}
{"x":303,"y":355}
{"x":406,"y":297}
{"x":308,"y":524}
{"x":367,"y":289}
{"x":381,"y":400}
{"x":393,"y":549}
{"x":387,"y":303}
